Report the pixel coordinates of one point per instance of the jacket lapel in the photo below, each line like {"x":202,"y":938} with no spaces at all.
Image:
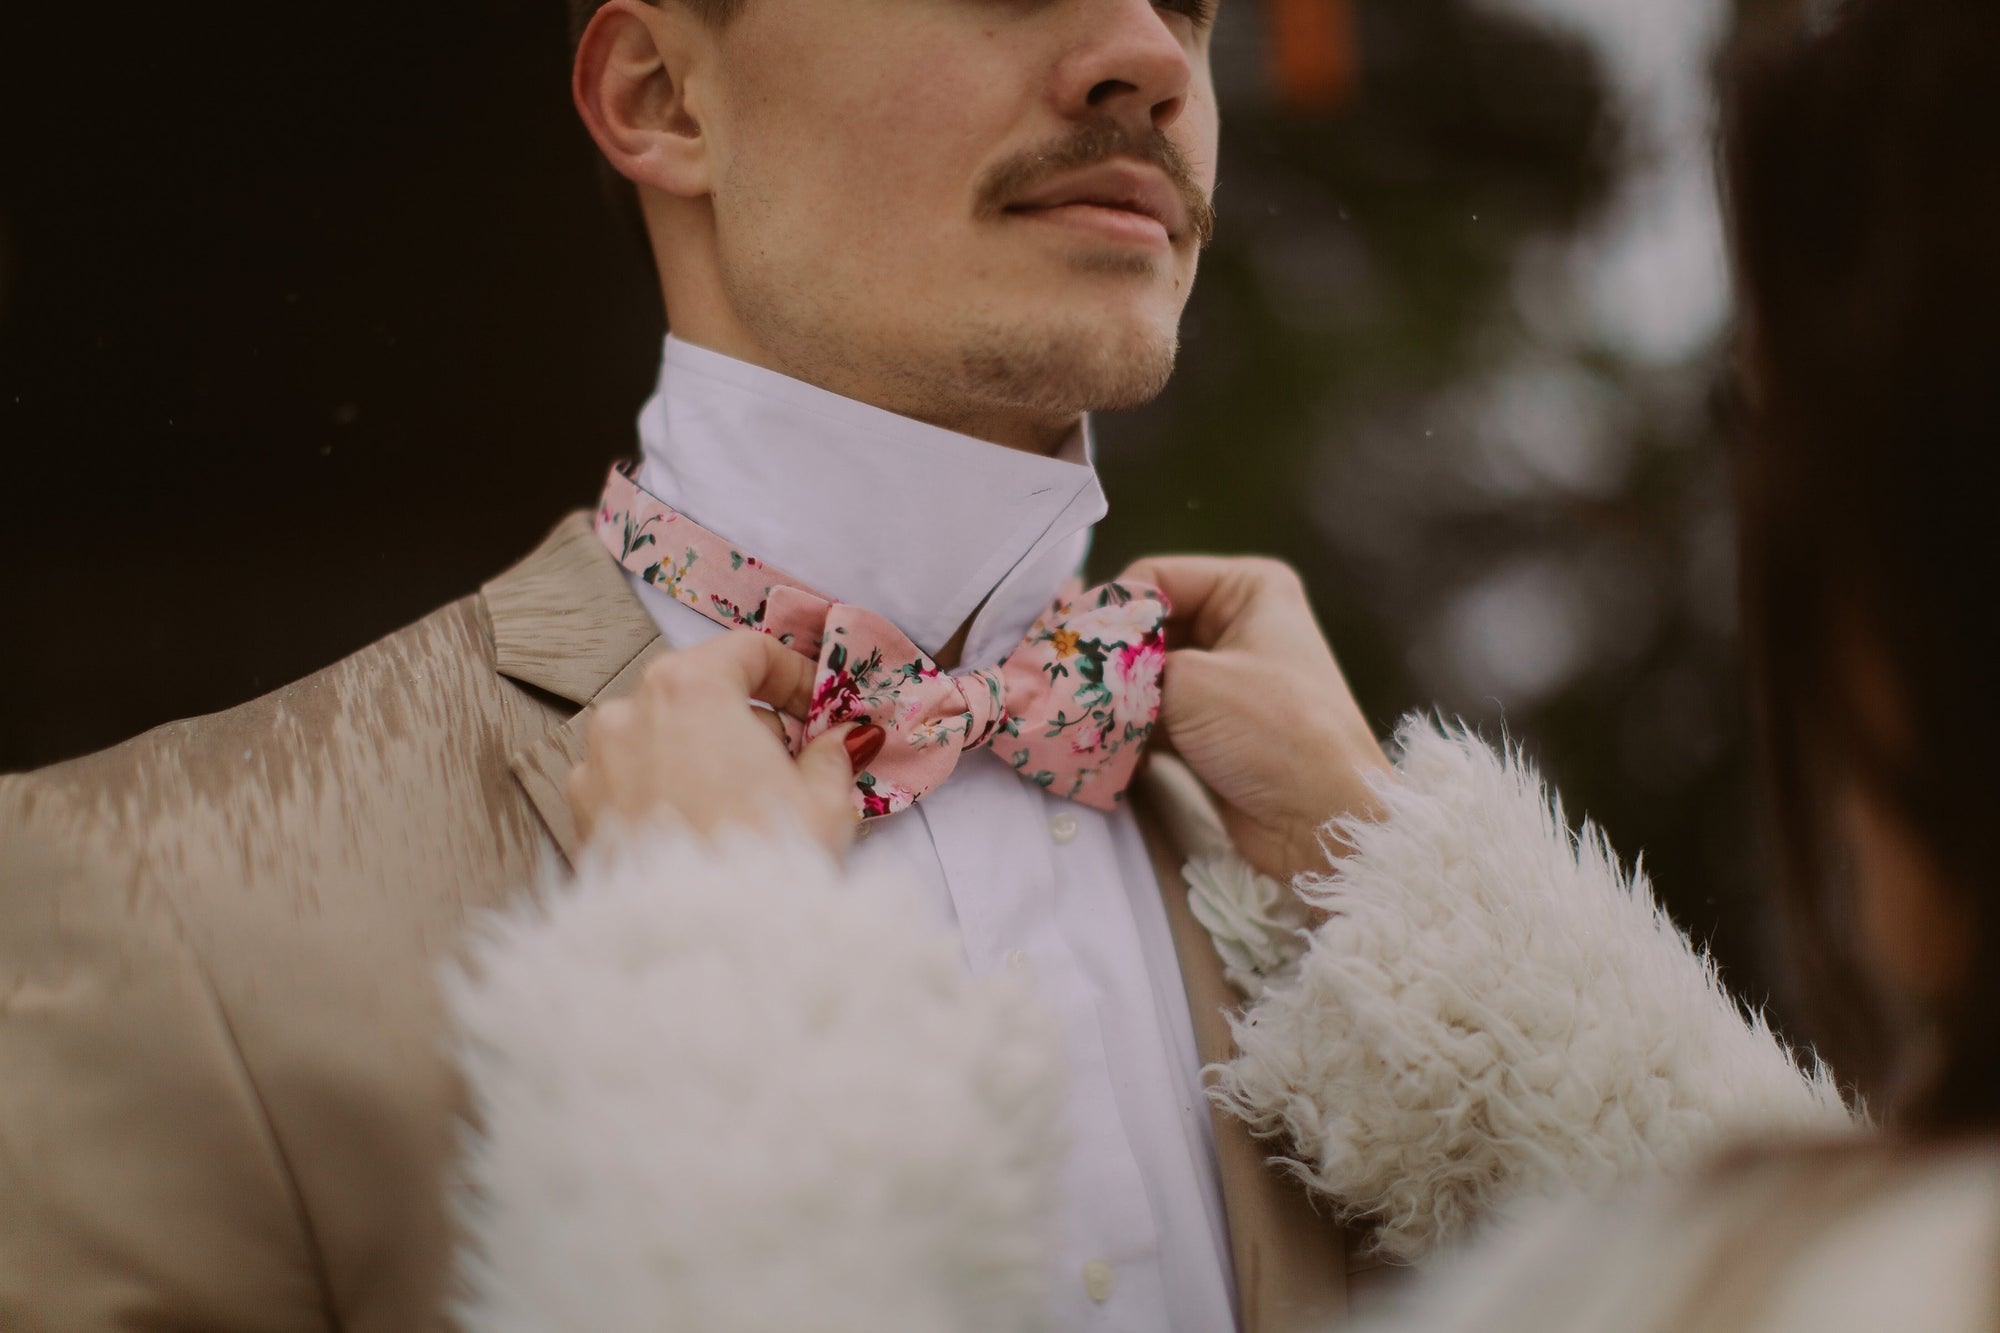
{"x":564,"y":621}
{"x":1290,"y":1261}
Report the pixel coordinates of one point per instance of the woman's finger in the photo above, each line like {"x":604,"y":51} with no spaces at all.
{"x":584,"y":799}
{"x":1217,"y":599}
{"x":1190,"y":583}
{"x":743,"y":663}
{"x":771,"y":723}
{"x":770,"y":671}
{"x":1252,"y":603}
{"x":828,"y":766}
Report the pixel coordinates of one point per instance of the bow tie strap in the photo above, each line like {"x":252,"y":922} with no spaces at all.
{"x":1083,"y":692}
{"x":797,"y":617}
{"x":1071,"y":709}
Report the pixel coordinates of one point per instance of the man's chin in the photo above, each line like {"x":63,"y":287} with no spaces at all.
{"x":1081,"y":366}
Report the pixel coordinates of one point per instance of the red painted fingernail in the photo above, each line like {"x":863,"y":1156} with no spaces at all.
{"x":863,"y":744}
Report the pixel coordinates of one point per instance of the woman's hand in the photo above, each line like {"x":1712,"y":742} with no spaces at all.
{"x":1255,"y":703}
{"x":688,"y":743}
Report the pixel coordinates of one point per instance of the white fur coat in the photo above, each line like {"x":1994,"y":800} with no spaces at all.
{"x":726,"y":1089}
{"x":1828,"y":1237}
{"x":1495,"y":1009}
{"x":731,"y":1089}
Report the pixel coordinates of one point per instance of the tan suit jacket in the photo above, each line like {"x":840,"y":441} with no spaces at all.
{"x":224,"y":1103}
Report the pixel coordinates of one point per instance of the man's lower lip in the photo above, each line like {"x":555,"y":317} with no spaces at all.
{"x":1117,"y":224}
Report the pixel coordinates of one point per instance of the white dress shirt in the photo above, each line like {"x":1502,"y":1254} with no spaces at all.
{"x":925,"y":527}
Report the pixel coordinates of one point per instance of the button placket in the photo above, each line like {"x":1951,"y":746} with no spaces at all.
{"x":1107,"y":1213}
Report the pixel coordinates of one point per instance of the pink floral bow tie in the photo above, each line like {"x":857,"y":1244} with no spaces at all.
{"x":1071,"y":709}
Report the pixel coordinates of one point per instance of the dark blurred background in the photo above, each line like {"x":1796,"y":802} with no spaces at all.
{"x":313,"y":318}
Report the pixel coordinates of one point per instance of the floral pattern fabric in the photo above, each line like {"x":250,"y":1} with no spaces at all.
{"x":1071,"y":709}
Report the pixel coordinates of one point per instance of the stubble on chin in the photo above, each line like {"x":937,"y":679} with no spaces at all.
{"x":1064,"y":373}
{"x":957,"y":369}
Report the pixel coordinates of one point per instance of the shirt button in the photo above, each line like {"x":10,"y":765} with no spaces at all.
{"x":1017,"y":961}
{"x":1063,"y":828}
{"x":1098,"y":1280}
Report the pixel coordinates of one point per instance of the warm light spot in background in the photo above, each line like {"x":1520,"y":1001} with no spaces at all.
{"x":1314,"y":55}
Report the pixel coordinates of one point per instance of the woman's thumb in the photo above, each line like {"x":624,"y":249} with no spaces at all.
{"x":831,"y":761}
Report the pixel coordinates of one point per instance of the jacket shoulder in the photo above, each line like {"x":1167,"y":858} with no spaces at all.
{"x":225,"y":1104}
{"x":454,"y":632}
{"x":266,"y":767}
{"x":140,"y":1181}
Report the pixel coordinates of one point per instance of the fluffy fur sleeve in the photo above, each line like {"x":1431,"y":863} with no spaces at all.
{"x":1493,"y":1010}
{"x":1803,"y":1238}
{"x":727,"y":1089}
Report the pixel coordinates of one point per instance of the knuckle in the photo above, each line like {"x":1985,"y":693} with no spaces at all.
{"x":1276,"y":574}
{"x":662,"y":672}
{"x":751,"y":648}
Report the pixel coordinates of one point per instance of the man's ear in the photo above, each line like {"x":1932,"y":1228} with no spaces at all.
{"x":631,"y":88}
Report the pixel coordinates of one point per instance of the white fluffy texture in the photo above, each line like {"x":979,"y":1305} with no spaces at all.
{"x":1916,"y":1256}
{"x":726,"y":1089}
{"x":1258,"y":924}
{"x":1496,"y":1010}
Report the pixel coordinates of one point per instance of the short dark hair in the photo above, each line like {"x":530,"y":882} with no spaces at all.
{"x":1859,"y":154}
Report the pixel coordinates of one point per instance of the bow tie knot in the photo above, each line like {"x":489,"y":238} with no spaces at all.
{"x":1070,"y":709}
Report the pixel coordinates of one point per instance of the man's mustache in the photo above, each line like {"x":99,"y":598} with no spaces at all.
{"x":1099,"y":141}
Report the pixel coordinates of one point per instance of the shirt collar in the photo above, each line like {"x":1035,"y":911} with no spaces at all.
{"x":917,"y":524}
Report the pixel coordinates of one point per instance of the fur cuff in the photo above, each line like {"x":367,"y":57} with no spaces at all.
{"x":724,"y":1088}
{"x":1258,"y":924}
{"x":1496,"y":1010}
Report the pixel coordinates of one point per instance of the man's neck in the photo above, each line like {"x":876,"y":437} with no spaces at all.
{"x":933,"y":529}
{"x":1010,"y":428}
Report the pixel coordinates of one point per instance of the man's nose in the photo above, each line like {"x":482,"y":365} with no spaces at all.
{"x":1127,"y":62}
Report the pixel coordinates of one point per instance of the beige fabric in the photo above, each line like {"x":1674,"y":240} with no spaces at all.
{"x":1853,"y":1236}
{"x":224,"y":1104}
{"x":1291,"y":1274}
